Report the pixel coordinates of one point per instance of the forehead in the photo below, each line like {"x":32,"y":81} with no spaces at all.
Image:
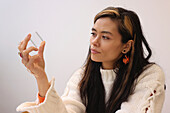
{"x":105,"y":23}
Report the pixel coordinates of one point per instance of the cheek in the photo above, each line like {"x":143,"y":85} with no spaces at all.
{"x":91,"y":40}
{"x":112,"y":51}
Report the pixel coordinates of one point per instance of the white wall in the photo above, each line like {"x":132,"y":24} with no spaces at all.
{"x":65,"y":26}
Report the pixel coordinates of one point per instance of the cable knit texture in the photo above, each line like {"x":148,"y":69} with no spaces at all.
{"x":148,"y":96}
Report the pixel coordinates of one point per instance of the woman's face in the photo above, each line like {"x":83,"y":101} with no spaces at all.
{"x":105,"y":42}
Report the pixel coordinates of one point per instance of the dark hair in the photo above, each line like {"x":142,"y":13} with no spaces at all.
{"x":92,"y":90}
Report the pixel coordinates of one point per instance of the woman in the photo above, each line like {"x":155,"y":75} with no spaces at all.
{"x":116,"y":78}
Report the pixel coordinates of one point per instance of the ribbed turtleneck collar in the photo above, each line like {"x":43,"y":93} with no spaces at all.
{"x":108,"y":74}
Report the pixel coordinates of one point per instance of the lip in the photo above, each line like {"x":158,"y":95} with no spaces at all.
{"x":94,"y":51}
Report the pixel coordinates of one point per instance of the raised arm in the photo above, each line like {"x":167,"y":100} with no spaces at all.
{"x":35,"y":64}
{"x":70,"y":102}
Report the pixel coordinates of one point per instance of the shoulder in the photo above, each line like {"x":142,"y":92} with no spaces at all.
{"x":76,"y":76}
{"x":153,"y":72}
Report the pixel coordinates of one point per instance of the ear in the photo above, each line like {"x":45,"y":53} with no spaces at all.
{"x":127,"y":46}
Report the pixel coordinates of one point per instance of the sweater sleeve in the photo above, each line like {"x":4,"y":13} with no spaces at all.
{"x":69,"y":102}
{"x":149,"y":94}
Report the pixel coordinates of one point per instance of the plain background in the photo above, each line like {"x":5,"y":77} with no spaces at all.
{"x":65,"y":26}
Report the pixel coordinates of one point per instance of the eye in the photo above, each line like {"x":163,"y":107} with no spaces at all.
{"x":105,"y":37}
{"x":93,"y":34}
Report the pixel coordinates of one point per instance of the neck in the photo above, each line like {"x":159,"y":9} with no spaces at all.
{"x":107,"y":65}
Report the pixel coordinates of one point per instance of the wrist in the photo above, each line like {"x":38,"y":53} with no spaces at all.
{"x":43,"y":84}
{"x":41,"y":98}
{"x":40,"y":76}
{"x":43,"y":87}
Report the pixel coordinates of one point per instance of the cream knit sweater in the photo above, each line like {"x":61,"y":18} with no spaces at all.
{"x":149,"y":94}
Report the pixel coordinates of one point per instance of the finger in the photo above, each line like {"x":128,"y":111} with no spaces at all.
{"x":30,"y":49}
{"x":19,"y":46}
{"x":25,"y":42}
{"x":20,"y":43}
{"x":41,"y":49}
{"x":25,"y":62}
{"x":26,"y":52}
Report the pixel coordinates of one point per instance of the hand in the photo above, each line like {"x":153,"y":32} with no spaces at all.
{"x":35,"y":63}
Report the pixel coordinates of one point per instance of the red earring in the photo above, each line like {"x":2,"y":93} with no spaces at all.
{"x":126,"y":60}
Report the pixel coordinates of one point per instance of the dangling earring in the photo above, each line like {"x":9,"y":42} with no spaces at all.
{"x":126,"y":60}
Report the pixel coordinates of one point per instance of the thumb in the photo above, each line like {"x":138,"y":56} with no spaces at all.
{"x":41,"y":49}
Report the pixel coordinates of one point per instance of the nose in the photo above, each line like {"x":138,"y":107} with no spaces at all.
{"x":95,"y":41}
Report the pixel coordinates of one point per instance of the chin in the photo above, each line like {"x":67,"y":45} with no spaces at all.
{"x":96,"y":59}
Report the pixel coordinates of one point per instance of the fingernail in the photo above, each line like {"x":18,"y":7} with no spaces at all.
{"x":29,"y":35}
{"x":44,"y":42}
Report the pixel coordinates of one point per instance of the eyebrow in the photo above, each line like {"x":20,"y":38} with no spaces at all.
{"x":107,"y":32}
